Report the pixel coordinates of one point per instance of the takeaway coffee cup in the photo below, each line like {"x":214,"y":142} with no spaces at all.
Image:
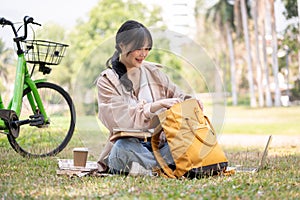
{"x":80,"y":156}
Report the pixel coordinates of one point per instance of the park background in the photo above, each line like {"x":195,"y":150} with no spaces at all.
{"x":251,"y":48}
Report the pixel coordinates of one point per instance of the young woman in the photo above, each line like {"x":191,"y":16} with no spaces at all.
{"x":130,"y":92}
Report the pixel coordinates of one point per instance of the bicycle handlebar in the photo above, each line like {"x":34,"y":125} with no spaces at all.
{"x":3,"y":21}
{"x":27,"y":20}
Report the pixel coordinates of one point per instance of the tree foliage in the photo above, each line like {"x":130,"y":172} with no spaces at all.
{"x":291,"y":7}
{"x":221,"y":13}
{"x":290,"y":39}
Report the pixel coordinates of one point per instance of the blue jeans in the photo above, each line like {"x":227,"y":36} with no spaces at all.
{"x":128,"y":150}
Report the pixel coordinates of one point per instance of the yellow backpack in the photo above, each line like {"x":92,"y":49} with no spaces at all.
{"x":192,"y":141}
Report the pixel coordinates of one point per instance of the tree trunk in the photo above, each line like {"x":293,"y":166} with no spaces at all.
{"x":232,"y":65}
{"x":274,"y":55}
{"x":266,"y":79}
{"x":298,"y":38}
{"x":249,"y":59}
{"x":257,"y":55}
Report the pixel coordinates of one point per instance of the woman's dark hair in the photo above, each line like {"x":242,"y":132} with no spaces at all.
{"x":134,"y":35}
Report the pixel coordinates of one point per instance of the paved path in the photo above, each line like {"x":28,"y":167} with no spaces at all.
{"x":259,"y":140}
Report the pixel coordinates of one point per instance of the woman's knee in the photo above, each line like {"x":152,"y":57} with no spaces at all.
{"x":120,"y":155}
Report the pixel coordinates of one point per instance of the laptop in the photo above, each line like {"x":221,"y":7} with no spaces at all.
{"x":262,"y":161}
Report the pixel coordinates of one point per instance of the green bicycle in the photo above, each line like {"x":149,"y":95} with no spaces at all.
{"x":39,"y":120}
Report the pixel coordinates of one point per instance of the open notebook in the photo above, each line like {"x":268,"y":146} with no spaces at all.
{"x":127,"y":132}
{"x":262,"y":161}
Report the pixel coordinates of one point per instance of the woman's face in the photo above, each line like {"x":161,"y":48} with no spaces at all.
{"x":135,"y":57}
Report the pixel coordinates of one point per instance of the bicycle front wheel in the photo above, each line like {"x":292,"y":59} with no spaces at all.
{"x":52,"y":138}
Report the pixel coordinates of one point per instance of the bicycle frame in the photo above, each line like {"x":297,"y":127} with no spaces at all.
{"x":22,"y":81}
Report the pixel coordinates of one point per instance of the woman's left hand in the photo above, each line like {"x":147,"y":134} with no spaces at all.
{"x":162,"y":139}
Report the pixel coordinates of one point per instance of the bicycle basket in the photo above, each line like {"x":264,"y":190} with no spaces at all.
{"x":44,"y":52}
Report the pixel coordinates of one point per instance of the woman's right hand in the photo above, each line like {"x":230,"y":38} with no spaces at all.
{"x":164,"y":103}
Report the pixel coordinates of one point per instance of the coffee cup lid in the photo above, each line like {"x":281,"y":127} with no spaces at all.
{"x":81,"y":149}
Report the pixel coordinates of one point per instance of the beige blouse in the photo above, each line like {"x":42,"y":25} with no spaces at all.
{"x":118,"y":108}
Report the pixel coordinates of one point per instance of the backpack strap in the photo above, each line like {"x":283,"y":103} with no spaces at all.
{"x":155,"y":142}
{"x":198,"y":137}
{"x":210,"y":125}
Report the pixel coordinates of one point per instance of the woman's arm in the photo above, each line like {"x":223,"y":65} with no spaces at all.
{"x":164,"y":103}
{"x":117,"y":110}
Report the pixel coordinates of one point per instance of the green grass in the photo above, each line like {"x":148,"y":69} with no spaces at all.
{"x":266,"y":121}
{"x":36,"y":179}
{"x":22,"y":178}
